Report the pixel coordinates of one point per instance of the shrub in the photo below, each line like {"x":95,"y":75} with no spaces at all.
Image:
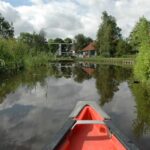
{"x":142,"y":66}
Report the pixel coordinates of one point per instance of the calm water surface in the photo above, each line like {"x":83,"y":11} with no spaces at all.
{"x":34,"y":104}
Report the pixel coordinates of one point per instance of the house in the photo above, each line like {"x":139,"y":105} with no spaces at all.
{"x":89,"y":50}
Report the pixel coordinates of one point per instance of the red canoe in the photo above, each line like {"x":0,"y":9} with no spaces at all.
{"x":89,"y":128}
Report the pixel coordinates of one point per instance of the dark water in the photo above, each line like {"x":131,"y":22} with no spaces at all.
{"x":34,"y":104}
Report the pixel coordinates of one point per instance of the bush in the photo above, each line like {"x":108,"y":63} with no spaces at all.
{"x":15,"y":55}
{"x":37,"y":60}
{"x":12,"y":53}
{"x":142,"y":66}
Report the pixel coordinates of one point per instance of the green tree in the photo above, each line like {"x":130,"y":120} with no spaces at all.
{"x":54,"y":45}
{"x":123,"y":48}
{"x":36,"y":42}
{"x":41,"y":43}
{"x":27,"y":38}
{"x":139,"y":34}
{"x":140,"y":40}
{"x":68,"y":40}
{"x":6,"y":29}
{"x":81,"y":41}
{"x":107,"y":36}
{"x":12,"y":52}
{"x":142,"y":66}
{"x":68,"y":45}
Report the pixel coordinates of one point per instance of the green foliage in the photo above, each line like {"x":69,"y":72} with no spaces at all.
{"x":123,"y":48}
{"x":53,"y":45}
{"x":107,"y":36}
{"x":41,"y":43}
{"x":65,"y":45}
{"x":68,"y":40}
{"x":141,"y":124}
{"x":140,"y":40}
{"x":142,"y":66}
{"x":6,"y":29}
{"x":12,"y":52}
{"x":17,"y":55}
{"x":81,"y":41}
{"x":27,"y":38}
{"x":40,"y":59}
{"x":68,"y":46}
{"x":36,"y":42}
{"x":140,"y":34}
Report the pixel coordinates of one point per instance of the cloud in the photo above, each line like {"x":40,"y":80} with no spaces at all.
{"x":12,"y":15}
{"x":70,"y":17}
{"x":23,"y":112}
{"x":68,"y":92}
{"x":59,"y":20}
{"x":37,"y":2}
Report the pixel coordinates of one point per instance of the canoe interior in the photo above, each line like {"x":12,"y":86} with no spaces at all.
{"x":90,"y":136}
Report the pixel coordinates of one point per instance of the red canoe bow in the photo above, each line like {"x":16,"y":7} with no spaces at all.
{"x":89,"y":128}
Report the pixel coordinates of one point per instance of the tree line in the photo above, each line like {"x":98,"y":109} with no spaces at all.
{"x":109,"y":40}
{"x":110,"y":43}
{"x":31,"y":49}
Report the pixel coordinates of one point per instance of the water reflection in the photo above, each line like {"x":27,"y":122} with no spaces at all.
{"x":107,"y":80}
{"x":34,"y":104}
{"x":141,"y":124}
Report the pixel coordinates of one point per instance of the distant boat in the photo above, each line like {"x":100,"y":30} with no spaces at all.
{"x":89,"y":128}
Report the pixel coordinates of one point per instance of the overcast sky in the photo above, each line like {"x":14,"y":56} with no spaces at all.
{"x":66,"y":18}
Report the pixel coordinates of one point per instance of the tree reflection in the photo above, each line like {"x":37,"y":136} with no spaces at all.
{"x":107,"y":80}
{"x":84,"y":71}
{"x":107,"y":77}
{"x":80,"y":75}
{"x":64,"y":69}
{"x":9,"y":83}
{"x":105,"y":83}
{"x":141,"y":124}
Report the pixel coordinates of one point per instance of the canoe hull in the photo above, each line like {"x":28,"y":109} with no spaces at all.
{"x":88,"y":129}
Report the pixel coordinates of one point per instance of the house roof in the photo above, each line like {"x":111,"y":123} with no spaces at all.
{"x":89,"y":47}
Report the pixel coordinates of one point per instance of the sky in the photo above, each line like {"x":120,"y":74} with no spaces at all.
{"x":67,"y":18}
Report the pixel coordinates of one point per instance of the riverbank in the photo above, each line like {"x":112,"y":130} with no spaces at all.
{"x":42,"y":59}
{"x":113,"y":61}
{"x":63,"y":59}
{"x":26,"y":63}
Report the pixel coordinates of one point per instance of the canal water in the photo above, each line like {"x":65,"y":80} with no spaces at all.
{"x":34,"y":104}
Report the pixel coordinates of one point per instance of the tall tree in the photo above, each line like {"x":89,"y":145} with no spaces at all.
{"x":35,"y":41}
{"x":6,"y":29}
{"x":107,"y":36}
{"x":41,"y":41}
{"x":140,"y":41}
{"x":139,"y":34}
